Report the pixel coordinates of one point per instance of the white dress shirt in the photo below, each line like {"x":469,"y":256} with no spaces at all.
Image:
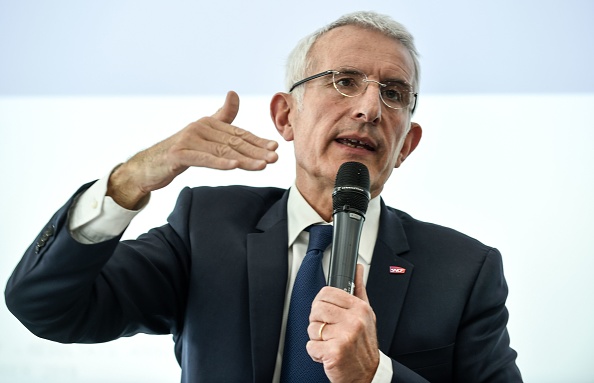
{"x":95,"y":217}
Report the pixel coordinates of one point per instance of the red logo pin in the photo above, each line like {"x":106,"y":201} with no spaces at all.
{"x":397,"y":270}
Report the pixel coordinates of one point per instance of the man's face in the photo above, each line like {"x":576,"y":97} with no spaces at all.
{"x":330,"y":129}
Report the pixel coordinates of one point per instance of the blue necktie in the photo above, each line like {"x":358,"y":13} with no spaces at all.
{"x":297,"y":364}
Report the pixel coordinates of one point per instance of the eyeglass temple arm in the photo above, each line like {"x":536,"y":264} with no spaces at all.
{"x":325,"y":73}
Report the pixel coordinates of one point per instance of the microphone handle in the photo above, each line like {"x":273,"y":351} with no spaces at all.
{"x":345,"y":250}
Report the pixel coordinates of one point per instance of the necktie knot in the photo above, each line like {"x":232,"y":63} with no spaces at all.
{"x":320,"y":237}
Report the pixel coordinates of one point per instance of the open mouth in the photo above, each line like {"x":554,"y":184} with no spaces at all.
{"x":355,"y":144}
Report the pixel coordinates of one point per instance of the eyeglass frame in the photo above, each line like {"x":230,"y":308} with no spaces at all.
{"x":367,"y":80}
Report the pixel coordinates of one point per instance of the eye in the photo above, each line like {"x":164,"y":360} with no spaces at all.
{"x":392,"y":94}
{"x":344,"y":81}
{"x":349,"y":83}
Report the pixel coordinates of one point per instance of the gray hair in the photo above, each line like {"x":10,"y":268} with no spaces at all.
{"x":299,"y":61}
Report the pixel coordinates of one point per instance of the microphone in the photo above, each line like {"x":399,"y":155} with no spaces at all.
{"x":349,"y":203}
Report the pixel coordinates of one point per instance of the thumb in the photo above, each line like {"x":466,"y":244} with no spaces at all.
{"x":360,"y":291}
{"x":229,"y":110}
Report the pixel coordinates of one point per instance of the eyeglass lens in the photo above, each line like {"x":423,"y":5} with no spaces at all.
{"x":353,"y":83}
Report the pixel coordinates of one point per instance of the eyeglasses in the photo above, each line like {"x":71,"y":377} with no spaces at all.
{"x":351,"y":82}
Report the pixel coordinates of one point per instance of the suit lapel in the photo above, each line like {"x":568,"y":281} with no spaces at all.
{"x":386,"y":291}
{"x":267,"y":276}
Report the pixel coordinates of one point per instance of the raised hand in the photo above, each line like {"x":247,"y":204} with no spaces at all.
{"x":210,"y":142}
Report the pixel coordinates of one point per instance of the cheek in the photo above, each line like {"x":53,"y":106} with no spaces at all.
{"x":393,"y":155}
{"x":315,"y":130}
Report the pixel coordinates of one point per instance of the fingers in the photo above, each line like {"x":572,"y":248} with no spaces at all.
{"x":337,"y":313}
{"x":218,"y":144}
{"x":229,"y":110}
{"x":211,"y":143}
{"x":360,"y":291}
{"x":234,"y":136}
{"x":321,"y":331}
{"x":342,"y":332}
{"x":338,"y":309}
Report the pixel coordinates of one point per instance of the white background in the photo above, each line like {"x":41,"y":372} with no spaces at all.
{"x":511,"y":168}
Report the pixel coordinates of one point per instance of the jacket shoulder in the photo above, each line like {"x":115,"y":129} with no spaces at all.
{"x":418,"y":229}
{"x":234,"y":199}
{"x":243,"y":205}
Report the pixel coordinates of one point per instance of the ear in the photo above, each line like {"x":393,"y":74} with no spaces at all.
{"x":411,"y":141}
{"x":280,"y":111}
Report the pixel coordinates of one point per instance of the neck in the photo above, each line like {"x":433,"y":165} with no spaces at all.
{"x":319,"y":197}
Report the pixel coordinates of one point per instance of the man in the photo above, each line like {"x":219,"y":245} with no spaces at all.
{"x":219,"y":275}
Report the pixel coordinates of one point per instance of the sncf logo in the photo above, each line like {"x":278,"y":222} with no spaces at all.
{"x":397,"y":270}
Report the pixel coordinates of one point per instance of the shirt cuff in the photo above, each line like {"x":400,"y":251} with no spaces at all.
{"x":384,"y":370}
{"x":95,"y":217}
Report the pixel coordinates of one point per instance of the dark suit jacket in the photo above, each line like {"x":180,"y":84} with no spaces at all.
{"x":215,"y":277}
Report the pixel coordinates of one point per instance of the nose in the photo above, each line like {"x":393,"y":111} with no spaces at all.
{"x":368,"y":104}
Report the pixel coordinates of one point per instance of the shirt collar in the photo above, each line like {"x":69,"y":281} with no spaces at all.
{"x":301,"y":215}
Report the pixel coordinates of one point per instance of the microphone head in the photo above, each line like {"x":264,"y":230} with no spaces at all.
{"x":351,"y":189}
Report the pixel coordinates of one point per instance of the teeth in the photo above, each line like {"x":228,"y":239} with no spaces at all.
{"x":354,"y":143}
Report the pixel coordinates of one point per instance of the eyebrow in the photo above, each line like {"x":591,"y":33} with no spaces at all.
{"x":397,"y":81}
{"x":392,"y":81}
{"x":349,"y":69}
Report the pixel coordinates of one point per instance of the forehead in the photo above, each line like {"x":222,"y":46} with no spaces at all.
{"x":369,"y":50}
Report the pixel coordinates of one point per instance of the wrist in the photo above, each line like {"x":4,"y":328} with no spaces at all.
{"x":123,"y":190}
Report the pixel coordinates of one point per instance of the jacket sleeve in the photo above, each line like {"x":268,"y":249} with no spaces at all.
{"x":69,"y":292}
